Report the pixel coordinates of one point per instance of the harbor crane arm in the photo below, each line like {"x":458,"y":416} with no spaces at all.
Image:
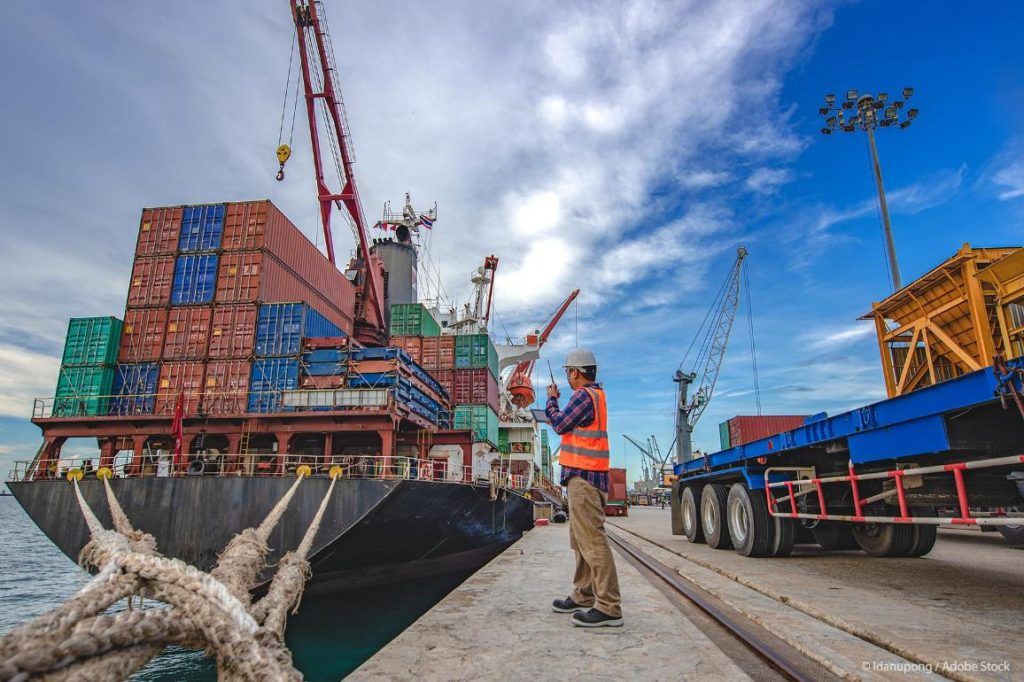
{"x":526,"y":366}
{"x":713,"y":335}
{"x":319,"y":78}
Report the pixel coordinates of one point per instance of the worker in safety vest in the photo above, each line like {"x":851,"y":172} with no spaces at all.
{"x":583,"y":426}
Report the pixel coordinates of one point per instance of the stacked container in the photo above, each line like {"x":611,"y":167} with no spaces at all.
{"x":745,"y":429}
{"x":466,"y":367}
{"x":86,"y":378}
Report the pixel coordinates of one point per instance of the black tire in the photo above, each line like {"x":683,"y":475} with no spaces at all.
{"x":1014,"y":535}
{"x":712,"y":516}
{"x":924,"y":535}
{"x":750,"y":527}
{"x":884,"y":539}
{"x":784,"y":537}
{"x":689,"y":516}
{"x":674,"y":501}
{"x":834,"y":535}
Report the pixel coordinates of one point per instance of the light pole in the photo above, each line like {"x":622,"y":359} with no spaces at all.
{"x":861,"y":112}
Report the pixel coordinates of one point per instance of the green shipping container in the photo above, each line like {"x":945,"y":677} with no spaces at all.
{"x":83,"y":391}
{"x":503,"y":446}
{"x":723,"y":435}
{"x":481,"y":420}
{"x":474,"y":351}
{"x":413,"y":319}
{"x":92,"y":341}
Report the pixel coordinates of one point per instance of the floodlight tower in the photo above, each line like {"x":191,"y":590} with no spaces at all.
{"x":861,"y":112}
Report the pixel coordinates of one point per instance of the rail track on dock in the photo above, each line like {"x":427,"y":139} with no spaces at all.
{"x":786,"y":662}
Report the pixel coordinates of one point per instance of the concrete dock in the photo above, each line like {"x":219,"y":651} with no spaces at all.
{"x":499,"y":625}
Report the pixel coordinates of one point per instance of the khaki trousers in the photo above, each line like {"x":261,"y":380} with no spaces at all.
{"x":595,"y":583}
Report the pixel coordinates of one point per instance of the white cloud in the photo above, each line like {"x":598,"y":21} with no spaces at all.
{"x":702,"y":179}
{"x":768,"y":180}
{"x":24,"y":376}
{"x":842,"y":337}
{"x":1007,"y":172}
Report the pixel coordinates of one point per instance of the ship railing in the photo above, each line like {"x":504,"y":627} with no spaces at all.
{"x":269,"y":464}
{"x":199,"y":404}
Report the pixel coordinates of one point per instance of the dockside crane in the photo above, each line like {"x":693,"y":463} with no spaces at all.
{"x":323,"y":98}
{"x":713,"y":337}
{"x":519,"y":384}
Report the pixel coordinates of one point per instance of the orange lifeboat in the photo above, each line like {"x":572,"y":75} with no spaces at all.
{"x":521,"y":389}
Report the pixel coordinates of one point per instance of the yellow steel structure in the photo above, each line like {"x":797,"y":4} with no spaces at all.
{"x":953,"y":320}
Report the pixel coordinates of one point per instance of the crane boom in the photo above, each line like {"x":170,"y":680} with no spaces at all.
{"x":526,"y":366}
{"x":319,"y":78}
{"x":709,"y":360}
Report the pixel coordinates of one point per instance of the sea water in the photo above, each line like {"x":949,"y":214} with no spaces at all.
{"x":329,"y":637}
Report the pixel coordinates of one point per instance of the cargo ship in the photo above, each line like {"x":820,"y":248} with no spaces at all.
{"x":245,"y":353}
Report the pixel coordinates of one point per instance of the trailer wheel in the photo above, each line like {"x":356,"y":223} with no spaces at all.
{"x":689,"y":516}
{"x":924,"y":535}
{"x":750,"y":526}
{"x":884,"y":539}
{"x":784,"y":537}
{"x":674,"y":507}
{"x":1013,"y":535}
{"x":834,"y":535}
{"x":712,"y":516}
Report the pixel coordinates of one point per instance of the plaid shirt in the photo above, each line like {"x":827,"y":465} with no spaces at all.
{"x":579,"y":411}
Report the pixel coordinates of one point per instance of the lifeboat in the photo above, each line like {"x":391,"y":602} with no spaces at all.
{"x":521,"y":389}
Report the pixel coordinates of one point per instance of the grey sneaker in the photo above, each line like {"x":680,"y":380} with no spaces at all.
{"x":595,"y":619}
{"x":566,"y":605}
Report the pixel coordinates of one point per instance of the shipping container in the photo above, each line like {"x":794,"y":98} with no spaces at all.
{"x":159,"y":231}
{"x":616,"y":504}
{"x":151,"y":282}
{"x":311,"y":381}
{"x":413,"y":345}
{"x":481,"y":420}
{"x":188,"y":333}
{"x":269,"y":377}
{"x":233,"y":331}
{"x":142,"y":335}
{"x":92,"y":341}
{"x":177,"y":378}
{"x":475,"y":386}
{"x":413,"y":319}
{"x":743,"y":430}
{"x":135,"y":387}
{"x":259,"y":276}
{"x":195,"y":279}
{"x":473,"y":351}
{"x":317,"y":342}
{"x":227,"y":387}
{"x":446,"y":378}
{"x":201,"y":228}
{"x":83,"y":391}
{"x":438,"y":352}
{"x":723,"y":435}
{"x":280,"y":328}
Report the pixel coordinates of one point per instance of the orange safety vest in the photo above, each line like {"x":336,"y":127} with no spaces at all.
{"x":586,"y":447}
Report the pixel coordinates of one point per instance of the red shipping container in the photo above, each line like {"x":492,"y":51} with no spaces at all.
{"x":227,"y":387}
{"x":233,"y":331}
{"x":320,"y":382}
{"x":744,"y":430}
{"x":176,"y":377}
{"x":259,"y":225}
{"x":260,"y":277}
{"x":150,"y":285}
{"x":445,"y":377}
{"x":316,"y":342}
{"x":475,"y":387}
{"x":188,"y":332}
{"x":438,"y":352}
{"x":159,"y":231}
{"x":142,"y":335}
{"x":413,"y":345}
{"x":617,"y":486}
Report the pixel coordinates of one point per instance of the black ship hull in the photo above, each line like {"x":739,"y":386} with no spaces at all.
{"x":373,"y":531}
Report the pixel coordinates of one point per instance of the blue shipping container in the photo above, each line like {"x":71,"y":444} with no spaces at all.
{"x":195,"y":279}
{"x":280,"y":328}
{"x":135,"y":388}
{"x":201,"y":228}
{"x":334,"y":355}
{"x":269,"y":377}
{"x":322,"y":369}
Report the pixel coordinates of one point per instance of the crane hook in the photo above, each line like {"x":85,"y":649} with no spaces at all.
{"x":284,"y":152}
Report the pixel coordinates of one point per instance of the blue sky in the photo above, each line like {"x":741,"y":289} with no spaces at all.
{"x":625,"y":148}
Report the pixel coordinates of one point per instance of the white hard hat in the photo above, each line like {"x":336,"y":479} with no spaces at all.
{"x":580,"y":357}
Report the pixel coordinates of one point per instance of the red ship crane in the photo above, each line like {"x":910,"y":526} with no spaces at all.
{"x":519,"y":385}
{"x":319,"y":78}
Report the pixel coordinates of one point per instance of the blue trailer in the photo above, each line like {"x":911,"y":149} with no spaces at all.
{"x":882,"y":477}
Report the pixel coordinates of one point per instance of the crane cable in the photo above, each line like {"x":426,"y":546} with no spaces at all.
{"x":753,"y":345}
{"x":284,"y":151}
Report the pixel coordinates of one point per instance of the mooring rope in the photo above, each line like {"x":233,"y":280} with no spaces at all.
{"x":211,"y":611}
